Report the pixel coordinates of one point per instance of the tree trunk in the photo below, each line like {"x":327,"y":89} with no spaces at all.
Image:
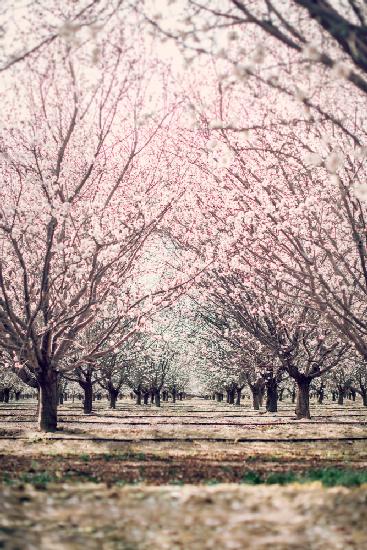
{"x":238,"y":398}
{"x":303,"y":398}
{"x":174,"y":396}
{"x":157,"y":398}
{"x":261,"y":395}
{"x":47,"y":404}
{"x":321,"y":396}
{"x":271,"y":395}
{"x":6,"y":395}
{"x":146,"y":398}
{"x":364,"y":397}
{"x":232,"y":396}
{"x":340,"y":396}
{"x":61,"y":398}
{"x":113,"y":398}
{"x":88,"y":398}
{"x":255,"y":398}
{"x":138,"y":397}
{"x":17,"y":395}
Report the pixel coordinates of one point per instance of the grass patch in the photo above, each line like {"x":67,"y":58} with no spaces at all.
{"x":332,"y":476}
{"x":252,"y":478}
{"x":39,"y":479}
{"x":329,"y":477}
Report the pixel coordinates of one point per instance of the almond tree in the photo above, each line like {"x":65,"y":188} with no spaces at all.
{"x":305,"y":347}
{"x":78,"y":207}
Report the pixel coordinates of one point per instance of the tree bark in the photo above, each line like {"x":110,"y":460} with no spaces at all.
{"x":6,"y":395}
{"x":271,"y":395}
{"x":232,"y":396}
{"x":157,"y":398}
{"x":146,"y":398}
{"x":47,"y":403}
{"x":303,"y":398}
{"x":255,"y":398}
{"x":321,"y":396}
{"x":340,"y":396}
{"x":88,"y":398}
{"x":238,"y":398}
{"x":138,"y":397}
{"x":113,"y":398}
{"x":174,"y":396}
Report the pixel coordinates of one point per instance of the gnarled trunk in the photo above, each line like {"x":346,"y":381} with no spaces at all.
{"x":271,"y":395}
{"x":138,"y":397}
{"x":6,"y":395}
{"x":303,"y":398}
{"x":47,"y":403}
{"x":321,"y":396}
{"x":88,"y":397}
{"x":157,"y":398}
{"x":255,"y":398}
{"x":238,"y":398}
{"x":113,"y":394}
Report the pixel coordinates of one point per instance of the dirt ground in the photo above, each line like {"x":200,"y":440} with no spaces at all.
{"x":178,"y":477}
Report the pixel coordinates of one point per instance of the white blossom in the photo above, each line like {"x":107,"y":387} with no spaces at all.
{"x":360,"y":191}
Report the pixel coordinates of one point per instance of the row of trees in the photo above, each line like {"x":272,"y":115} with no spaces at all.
{"x":149,"y":382}
{"x":128,"y":179}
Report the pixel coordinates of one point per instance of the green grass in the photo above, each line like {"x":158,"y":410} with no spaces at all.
{"x":252,"y":478}
{"x":329,"y":477}
{"x":39,"y":479}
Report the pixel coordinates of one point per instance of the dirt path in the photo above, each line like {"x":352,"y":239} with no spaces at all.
{"x":188,"y":518}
